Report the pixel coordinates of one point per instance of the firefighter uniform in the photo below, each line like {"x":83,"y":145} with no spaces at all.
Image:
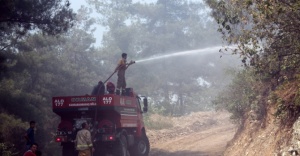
{"x":84,"y":142}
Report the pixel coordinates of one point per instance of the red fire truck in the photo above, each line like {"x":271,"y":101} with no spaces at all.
{"x":116,"y":123}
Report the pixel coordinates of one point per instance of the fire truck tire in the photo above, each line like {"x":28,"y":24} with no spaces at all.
{"x":99,"y":151}
{"x":120,"y":148}
{"x":68,"y":150}
{"x":141,"y":147}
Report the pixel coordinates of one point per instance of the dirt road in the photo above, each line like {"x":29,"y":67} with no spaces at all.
{"x":199,"y":134}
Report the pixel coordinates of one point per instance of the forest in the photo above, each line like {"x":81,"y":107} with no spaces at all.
{"x":49,"y":49}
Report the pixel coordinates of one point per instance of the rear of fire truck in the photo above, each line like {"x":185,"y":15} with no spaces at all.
{"x":116,"y":123}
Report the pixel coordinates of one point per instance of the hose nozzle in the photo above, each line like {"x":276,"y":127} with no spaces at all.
{"x":131,"y":62}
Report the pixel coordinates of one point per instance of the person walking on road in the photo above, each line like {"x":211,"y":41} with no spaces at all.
{"x":83,"y":141}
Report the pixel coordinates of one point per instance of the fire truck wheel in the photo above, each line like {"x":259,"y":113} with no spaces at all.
{"x":68,"y":150}
{"x":99,"y":151}
{"x":141,"y":148}
{"x":120,"y":148}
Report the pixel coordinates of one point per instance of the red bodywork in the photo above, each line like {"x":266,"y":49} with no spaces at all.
{"x":111,"y":112}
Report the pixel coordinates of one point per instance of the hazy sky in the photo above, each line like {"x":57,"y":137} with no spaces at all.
{"x":76,"y":4}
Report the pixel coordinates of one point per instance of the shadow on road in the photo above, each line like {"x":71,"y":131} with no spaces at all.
{"x":158,"y":152}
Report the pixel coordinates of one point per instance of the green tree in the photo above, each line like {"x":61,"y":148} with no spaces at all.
{"x":267,"y":37}
{"x":266,"y":33}
{"x":19,"y":17}
{"x":239,"y":96}
{"x":46,"y":66}
{"x":9,"y":129}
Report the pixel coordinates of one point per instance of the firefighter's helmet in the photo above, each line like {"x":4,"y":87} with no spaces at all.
{"x":110,"y":87}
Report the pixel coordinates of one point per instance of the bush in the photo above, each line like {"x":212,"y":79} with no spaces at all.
{"x":238,"y":98}
{"x":12,"y":131}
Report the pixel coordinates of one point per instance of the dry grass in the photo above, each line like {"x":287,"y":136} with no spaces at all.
{"x":289,"y":91}
{"x":158,"y":122}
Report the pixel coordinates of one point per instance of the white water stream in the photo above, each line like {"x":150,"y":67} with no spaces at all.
{"x":201,"y":51}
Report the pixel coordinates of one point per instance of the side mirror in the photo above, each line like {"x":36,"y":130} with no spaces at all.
{"x":145,"y":101}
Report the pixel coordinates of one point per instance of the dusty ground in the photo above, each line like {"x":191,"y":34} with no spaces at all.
{"x":198,"y":134}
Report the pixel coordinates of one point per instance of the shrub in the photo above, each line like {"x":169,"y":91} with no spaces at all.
{"x":12,"y":131}
{"x":238,"y":98}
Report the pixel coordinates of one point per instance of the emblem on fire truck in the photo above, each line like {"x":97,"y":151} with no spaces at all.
{"x":122,"y":101}
{"x":59,"y":102}
{"x":107,"y":100}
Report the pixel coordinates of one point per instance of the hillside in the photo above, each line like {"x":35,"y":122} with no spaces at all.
{"x":267,"y":138}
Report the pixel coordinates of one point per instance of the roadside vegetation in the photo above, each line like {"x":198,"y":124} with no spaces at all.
{"x":266,"y":34}
{"x":11,"y":127}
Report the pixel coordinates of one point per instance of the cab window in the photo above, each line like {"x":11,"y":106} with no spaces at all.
{"x":138,"y":104}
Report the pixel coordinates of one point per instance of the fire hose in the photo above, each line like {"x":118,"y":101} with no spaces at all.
{"x":127,"y":65}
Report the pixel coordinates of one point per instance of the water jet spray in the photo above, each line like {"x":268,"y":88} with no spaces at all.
{"x":203,"y":51}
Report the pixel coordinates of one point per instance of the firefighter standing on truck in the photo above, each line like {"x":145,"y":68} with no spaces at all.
{"x":83,"y":141}
{"x":122,"y":66}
